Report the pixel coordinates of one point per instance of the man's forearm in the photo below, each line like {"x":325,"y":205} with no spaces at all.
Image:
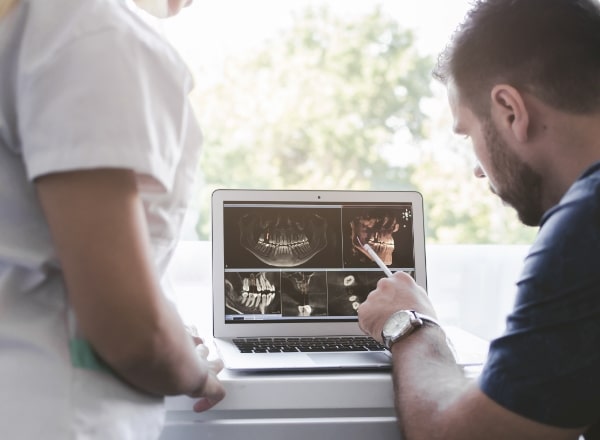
{"x":426,"y":381}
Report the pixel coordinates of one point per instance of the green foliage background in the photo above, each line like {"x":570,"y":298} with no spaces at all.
{"x":337,"y":103}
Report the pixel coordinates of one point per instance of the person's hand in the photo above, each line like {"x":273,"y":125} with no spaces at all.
{"x":193,"y":332}
{"x":399,"y":292}
{"x":212,"y":391}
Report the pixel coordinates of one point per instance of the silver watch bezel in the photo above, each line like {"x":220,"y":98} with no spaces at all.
{"x":415,"y":320}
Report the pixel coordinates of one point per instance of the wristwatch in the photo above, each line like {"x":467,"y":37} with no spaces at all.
{"x":403,"y":323}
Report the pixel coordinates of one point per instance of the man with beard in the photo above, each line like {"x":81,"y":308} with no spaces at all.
{"x":523,"y":82}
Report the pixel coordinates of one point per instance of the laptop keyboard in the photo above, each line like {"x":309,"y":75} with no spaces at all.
{"x":307,"y":344}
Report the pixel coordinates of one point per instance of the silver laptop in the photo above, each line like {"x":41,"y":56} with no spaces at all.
{"x":289,"y":273}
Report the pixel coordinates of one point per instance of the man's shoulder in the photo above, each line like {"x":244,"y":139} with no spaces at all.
{"x":581,"y":203}
{"x":587,"y":186}
{"x":567,"y":247}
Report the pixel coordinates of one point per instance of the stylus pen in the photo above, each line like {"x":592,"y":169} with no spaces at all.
{"x":375,"y":258}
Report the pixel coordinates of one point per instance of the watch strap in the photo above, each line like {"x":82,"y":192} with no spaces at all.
{"x":425,"y":318}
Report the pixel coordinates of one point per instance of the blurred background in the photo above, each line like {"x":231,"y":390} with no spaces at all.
{"x":338,"y":94}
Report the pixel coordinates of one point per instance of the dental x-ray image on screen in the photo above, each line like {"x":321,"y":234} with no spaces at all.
{"x":281,"y":237}
{"x":248,"y":293}
{"x":303,"y":261}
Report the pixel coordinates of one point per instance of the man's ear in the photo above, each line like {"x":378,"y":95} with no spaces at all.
{"x":509,"y":111}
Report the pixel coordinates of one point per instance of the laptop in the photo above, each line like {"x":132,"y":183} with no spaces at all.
{"x":289,"y":273}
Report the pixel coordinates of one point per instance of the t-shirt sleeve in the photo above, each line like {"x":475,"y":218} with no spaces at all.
{"x":546,"y":366}
{"x":106,"y":99}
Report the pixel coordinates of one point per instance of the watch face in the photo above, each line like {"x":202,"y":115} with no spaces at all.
{"x":397,"y":324}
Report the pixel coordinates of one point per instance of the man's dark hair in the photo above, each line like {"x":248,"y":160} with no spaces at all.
{"x":549,"y":48}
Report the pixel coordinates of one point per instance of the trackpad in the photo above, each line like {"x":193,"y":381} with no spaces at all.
{"x":351,"y":360}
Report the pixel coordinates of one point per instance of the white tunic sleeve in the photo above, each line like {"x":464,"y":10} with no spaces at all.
{"x":104,"y":98}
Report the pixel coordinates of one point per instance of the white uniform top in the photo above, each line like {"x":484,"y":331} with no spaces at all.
{"x":83,"y":84}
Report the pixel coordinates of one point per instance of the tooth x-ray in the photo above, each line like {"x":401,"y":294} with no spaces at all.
{"x":252,"y":293}
{"x":283,"y":238}
{"x":347,"y":290}
{"x":304,"y":293}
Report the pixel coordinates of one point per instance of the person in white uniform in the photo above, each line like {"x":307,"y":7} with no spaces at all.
{"x":98,"y":149}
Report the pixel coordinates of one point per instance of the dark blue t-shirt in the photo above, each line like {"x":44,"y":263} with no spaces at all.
{"x":546,"y":366}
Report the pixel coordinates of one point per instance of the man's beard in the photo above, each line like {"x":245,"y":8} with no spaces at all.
{"x":517,"y":184}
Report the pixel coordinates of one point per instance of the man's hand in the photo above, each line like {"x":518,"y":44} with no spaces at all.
{"x":399,"y":292}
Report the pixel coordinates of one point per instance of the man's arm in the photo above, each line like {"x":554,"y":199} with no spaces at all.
{"x":433,"y":398}
{"x":100,"y":233}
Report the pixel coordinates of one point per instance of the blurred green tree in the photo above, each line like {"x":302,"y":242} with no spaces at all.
{"x":336,"y":103}
{"x":315,"y":108}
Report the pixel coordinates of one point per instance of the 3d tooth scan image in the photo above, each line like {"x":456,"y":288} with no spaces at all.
{"x":282,"y":237}
{"x":304,"y":293}
{"x":388,"y":231}
{"x":252,"y":293}
{"x":347,"y":290}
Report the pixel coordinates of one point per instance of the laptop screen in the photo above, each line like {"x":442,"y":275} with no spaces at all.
{"x":303,"y":261}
